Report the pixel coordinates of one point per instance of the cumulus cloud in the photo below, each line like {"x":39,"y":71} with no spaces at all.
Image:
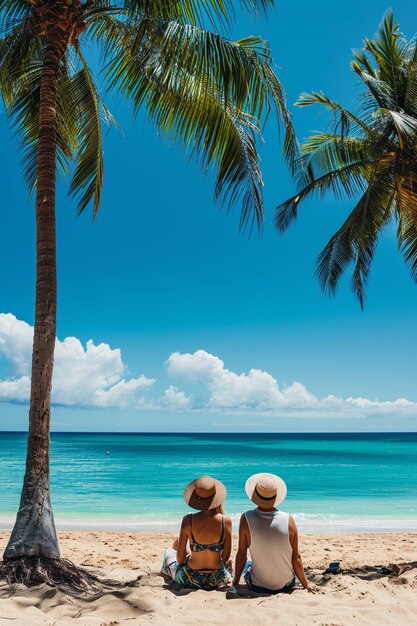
{"x":93,"y":375}
{"x":259,"y":393}
{"x":16,"y":343}
{"x":175,"y":399}
{"x":227,"y":390}
{"x":172,"y":401}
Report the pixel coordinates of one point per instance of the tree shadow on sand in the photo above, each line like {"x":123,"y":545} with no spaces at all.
{"x":81,"y":592}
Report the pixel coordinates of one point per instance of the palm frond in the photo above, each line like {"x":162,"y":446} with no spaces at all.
{"x":381,"y":91}
{"x":357,"y":238}
{"x":108,"y":31}
{"x":191,"y":110}
{"x":407,"y":219}
{"x":19,"y":49}
{"x":329,"y":163}
{"x":195,"y":12}
{"x":81,"y":93}
{"x":344,"y":120}
{"x":345,"y":180}
{"x":361,"y":63}
{"x":208,"y":94}
{"x":23,"y":111}
{"x":405,"y":126}
{"x":410,"y":96}
{"x":241,"y":70}
{"x":11,"y":12}
{"x":389,"y":50}
{"x":368,"y":156}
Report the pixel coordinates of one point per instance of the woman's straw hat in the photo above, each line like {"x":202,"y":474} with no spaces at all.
{"x":205,"y":493}
{"x":266,"y":490}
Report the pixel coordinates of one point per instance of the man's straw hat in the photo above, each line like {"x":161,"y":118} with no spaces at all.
{"x":205,"y":493}
{"x":266,"y":490}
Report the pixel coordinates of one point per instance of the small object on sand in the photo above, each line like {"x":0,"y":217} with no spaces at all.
{"x":334,"y":568}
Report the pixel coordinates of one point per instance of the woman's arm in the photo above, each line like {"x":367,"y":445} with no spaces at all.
{"x":227,"y":539}
{"x":242,"y":551}
{"x":182,"y":540}
{"x":296,"y":556}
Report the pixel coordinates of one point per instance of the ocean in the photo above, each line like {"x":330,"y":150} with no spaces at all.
{"x":337,"y":483}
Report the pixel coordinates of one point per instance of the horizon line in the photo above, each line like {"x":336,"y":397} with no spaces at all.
{"x":180,"y":432}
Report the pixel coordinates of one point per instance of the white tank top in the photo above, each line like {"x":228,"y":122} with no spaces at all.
{"x":270,"y":548}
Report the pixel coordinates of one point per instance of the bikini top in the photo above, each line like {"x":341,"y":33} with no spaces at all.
{"x":199,"y":547}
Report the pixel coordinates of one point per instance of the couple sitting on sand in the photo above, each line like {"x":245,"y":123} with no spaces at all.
{"x":270,"y":535}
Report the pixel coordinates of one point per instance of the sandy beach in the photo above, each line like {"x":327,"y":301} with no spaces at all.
{"x":362,"y":595}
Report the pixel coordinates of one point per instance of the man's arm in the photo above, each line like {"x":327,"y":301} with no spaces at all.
{"x":296,"y":556}
{"x":242,"y":552}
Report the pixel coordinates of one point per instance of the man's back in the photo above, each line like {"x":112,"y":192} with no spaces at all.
{"x":270,"y":548}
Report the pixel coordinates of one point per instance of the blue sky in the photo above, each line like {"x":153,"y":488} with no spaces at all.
{"x":162,"y":274}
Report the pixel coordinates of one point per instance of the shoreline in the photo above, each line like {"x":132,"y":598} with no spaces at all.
{"x":307,"y":525}
{"x":361,"y":596}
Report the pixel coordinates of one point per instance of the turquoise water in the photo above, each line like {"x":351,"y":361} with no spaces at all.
{"x":335,"y":482}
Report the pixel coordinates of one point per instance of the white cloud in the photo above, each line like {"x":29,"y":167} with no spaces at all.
{"x":16,"y":343}
{"x":227,"y":390}
{"x":95,"y":375}
{"x":17,"y":390}
{"x":91,"y":376}
{"x":173,"y":400}
{"x":258,"y":393}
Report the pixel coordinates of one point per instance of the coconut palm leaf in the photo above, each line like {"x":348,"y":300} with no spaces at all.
{"x":11,"y":11}
{"x":215,"y":135}
{"x":23,"y":97}
{"x":357,"y":239}
{"x":195,"y":12}
{"x":80,"y":92}
{"x":210,"y":95}
{"x":369,"y":156}
{"x":329,"y":163}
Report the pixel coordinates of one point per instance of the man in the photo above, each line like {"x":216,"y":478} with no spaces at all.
{"x":271,"y":537}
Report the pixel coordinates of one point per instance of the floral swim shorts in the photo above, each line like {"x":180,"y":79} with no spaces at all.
{"x":190,"y":578}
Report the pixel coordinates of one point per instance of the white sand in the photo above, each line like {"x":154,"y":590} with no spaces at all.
{"x":345,"y":599}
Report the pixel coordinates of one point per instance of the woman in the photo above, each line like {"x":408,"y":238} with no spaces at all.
{"x":207,"y":534}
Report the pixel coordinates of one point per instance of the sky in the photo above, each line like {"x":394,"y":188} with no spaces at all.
{"x":169,"y":319}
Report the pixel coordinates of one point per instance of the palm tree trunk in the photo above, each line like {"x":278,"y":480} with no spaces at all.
{"x":34,"y":532}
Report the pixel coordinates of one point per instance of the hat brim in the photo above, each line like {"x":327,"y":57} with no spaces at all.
{"x":205,"y":504}
{"x":250,"y":488}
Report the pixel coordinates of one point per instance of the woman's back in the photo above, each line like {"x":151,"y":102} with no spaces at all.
{"x":208,"y":532}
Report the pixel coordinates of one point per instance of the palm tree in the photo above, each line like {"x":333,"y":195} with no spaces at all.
{"x":370,"y":156}
{"x":207,"y":92}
